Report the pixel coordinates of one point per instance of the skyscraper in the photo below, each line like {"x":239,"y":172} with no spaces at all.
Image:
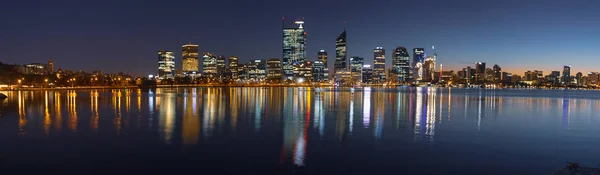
{"x":340,"y":53}
{"x":379,"y":64}
{"x":417,"y":64}
{"x":189,"y":58}
{"x":233,"y":69}
{"x":322,"y":56}
{"x":401,"y":64}
{"x":366,"y":74}
{"x":480,"y":72}
{"x":566,"y":75}
{"x":318,"y":71}
{"x":221,"y":62}
{"x":497,"y":73}
{"x":50,"y":66}
{"x":209,"y":65}
{"x":428,"y":69}
{"x":356,"y":65}
{"x":274,"y":71}
{"x":166,"y":64}
{"x":294,"y":42}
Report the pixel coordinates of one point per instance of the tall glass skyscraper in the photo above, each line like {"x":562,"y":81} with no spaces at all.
{"x":166,"y":64}
{"x":322,"y":56}
{"x":294,"y":42}
{"x":340,"y":53}
{"x":379,"y":64}
{"x":356,"y":65}
{"x":417,"y":64}
{"x":401,"y":64}
{"x":566,"y":74}
{"x":189,"y":58}
{"x":209,"y":65}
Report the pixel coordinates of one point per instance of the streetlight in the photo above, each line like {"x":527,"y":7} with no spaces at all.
{"x":46,"y":82}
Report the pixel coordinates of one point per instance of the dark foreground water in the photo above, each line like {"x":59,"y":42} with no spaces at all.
{"x":299,"y":131}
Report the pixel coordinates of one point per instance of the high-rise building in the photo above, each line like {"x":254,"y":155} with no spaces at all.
{"x":50,"y":66}
{"x":579,"y":78}
{"x":468,"y":74}
{"x":233,"y":70}
{"x":417,"y":64}
{"x":221,"y":62}
{"x":497,"y":73}
{"x":480,"y":72}
{"x":322,"y":56}
{"x":593,"y":78}
{"x":428,"y":69}
{"x":189,"y":58}
{"x":340,"y":53}
{"x":318,"y":71}
{"x":242,"y":70}
{"x":294,"y":42}
{"x":379,"y":64}
{"x":274,"y":71}
{"x":367,"y":74}
{"x":166,"y":64}
{"x":566,"y":75}
{"x":356,"y":65}
{"x":303,"y":71}
{"x":209,"y":65}
{"x":401,"y":64}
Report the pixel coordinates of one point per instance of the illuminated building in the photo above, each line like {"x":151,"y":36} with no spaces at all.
{"x":401,"y":64}
{"x":447,"y":76}
{"x":367,"y":73}
{"x":506,"y":78}
{"x":480,"y":72}
{"x":274,"y":71}
{"x":428,"y":69}
{"x":319,"y":73}
{"x":221,"y":62}
{"x":356,"y":65}
{"x":418,"y":58}
{"x":233,"y":67}
{"x":322,"y":56}
{"x":566,"y":75}
{"x":257,"y":70}
{"x":189,"y":58}
{"x":467,"y":74}
{"x":242,"y":70}
{"x":379,"y":65}
{"x":340,"y":53}
{"x":209,"y":65}
{"x":294,"y":41}
{"x":166,"y":64}
{"x":303,"y":71}
{"x":50,"y":66}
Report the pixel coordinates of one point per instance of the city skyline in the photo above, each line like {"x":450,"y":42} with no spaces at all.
{"x":520,"y":39}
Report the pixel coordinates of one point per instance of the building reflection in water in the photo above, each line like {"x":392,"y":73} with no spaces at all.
{"x":94,"y":120}
{"x":379,"y":106}
{"x":234,"y":107}
{"x":118,"y":116}
{"x":47,"y":117}
{"x":167,"y":112}
{"x":297,"y":102}
{"x":565,"y":114}
{"x":72,"y":106}
{"x":431,"y":113}
{"x":425,"y":114}
{"x":191,"y":119}
{"x":366,"y":107}
{"x":22,"y":112}
{"x":210,"y":112}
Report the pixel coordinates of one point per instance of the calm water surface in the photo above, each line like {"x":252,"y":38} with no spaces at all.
{"x":300,"y":130}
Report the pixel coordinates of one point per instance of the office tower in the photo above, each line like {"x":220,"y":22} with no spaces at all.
{"x":379,"y":64}
{"x":579,"y":78}
{"x":497,"y":73}
{"x":274,"y":71}
{"x":428,"y":69}
{"x":367,"y":74}
{"x":593,"y":78}
{"x":50,"y":66}
{"x":319,"y":72}
{"x":322,"y":56}
{"x":468,"y":74}
{"x":221,"y":62}
{"x":189,"y":58}
{"x":303,"y":70}
{"x":418,"y":58}
{"x":294,"y":42}
{"x":480,"y":72}
{"x":554,"y":77}
{"x":356,"y":65}
{"x":166,"y":64}
{"x":209,"y":65}
{"x":401,"y":64}
{"x":340,"y":53}
{"x":233,"y":69}
{"x":242,"y":70}
{"x":566,"y":75}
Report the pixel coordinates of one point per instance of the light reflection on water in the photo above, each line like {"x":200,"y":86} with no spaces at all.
{"x":305,"y":127}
